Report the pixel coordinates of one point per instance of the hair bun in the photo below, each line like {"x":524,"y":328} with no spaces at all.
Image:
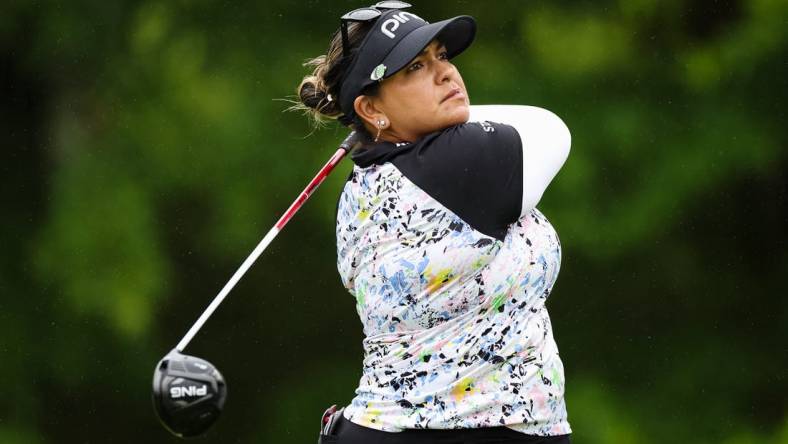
{"x":318,"y":92}
{"x":314,"y":96}
{"x":310,"y":94}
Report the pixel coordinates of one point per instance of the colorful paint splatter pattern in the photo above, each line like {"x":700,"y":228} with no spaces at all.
{"x":457,"y":332}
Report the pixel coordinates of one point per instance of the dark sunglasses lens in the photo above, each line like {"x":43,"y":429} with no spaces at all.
{"x":392,"y":4}
{"x":362,"y":14}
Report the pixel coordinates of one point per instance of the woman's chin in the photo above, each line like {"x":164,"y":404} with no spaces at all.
{"x":458,"y":113}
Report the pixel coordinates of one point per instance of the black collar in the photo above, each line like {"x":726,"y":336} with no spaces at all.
{"x":377,"y":153}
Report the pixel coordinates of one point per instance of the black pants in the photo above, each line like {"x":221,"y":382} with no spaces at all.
{"x":350,"y":433}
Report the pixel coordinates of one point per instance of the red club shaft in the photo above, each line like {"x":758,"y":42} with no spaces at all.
{"x":344,"y":148}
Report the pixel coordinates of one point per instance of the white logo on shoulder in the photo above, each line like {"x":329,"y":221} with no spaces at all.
{"x":487,"y":127}
{"x":389,"y":26}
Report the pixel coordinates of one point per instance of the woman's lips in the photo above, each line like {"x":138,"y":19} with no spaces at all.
{"x":454,"y":94}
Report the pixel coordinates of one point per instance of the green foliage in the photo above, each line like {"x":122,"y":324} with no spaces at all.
{"x":149,"y":152}
{"x":603,"y":417}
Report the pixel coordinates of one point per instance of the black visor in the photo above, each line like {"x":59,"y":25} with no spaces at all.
{"x":395,"y":39}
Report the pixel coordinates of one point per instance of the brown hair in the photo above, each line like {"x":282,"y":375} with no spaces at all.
{"x":326,"y":79}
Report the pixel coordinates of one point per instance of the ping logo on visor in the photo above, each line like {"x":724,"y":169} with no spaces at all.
{"x":390,"y":26}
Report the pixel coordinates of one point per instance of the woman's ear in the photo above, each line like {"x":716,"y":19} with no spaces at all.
{"x":368,"y":111}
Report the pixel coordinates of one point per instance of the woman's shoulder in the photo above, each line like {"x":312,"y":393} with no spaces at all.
{"x":463,"y":154}
{"x":530,"y":122}
{"x":508,"y":113}
{"x":479,"y":126}
{"x":470,"y":136}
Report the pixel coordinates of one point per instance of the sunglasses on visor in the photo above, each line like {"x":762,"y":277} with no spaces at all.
{"x":366,"y":15}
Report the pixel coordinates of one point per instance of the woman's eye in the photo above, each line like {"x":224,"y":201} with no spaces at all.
{"x":417,"y":65}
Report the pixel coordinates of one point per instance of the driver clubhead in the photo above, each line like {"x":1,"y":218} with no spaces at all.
{"x":188,"y":394}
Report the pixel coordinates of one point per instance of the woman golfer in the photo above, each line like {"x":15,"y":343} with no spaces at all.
{"x":439,"y":240}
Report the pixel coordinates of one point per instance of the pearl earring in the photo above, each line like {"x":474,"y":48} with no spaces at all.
{"x":381,"y":124}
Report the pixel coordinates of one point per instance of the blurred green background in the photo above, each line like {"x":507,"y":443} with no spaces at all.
{"x":146,"y":152}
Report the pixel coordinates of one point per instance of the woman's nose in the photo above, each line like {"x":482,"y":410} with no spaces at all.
{"x":445,"y":71}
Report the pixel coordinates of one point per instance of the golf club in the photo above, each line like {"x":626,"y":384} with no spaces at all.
{"x":189,"y":392}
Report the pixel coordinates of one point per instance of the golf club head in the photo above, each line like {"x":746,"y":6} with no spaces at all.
{"x":188,"y":394}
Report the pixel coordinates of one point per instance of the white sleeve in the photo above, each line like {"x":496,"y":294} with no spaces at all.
{"x":545,"y":138}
